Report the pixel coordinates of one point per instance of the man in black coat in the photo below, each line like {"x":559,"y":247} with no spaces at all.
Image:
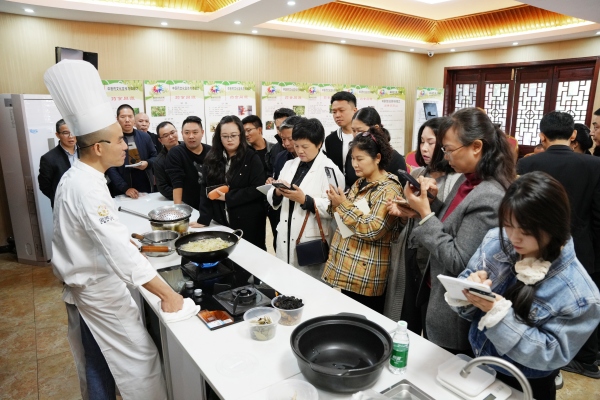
{"x":167,"y":135}
{"x":343,"y":107}
{"x":57,"y":161}
{"x":142,"y":124}
{"x":580,"y":176}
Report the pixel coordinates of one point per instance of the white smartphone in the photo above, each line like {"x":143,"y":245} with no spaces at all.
{"x":331,"y":178}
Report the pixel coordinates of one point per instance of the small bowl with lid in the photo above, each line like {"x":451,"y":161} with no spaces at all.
{"x":262,"y":322}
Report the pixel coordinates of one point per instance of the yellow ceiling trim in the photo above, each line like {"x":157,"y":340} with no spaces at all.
{"x":202,"y":6}
{"x":368,"y":20}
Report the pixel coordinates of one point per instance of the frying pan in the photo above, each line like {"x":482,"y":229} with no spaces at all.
{"x":208,"y":256}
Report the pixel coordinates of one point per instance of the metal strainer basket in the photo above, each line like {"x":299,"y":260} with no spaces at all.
{"x":171,"y":213}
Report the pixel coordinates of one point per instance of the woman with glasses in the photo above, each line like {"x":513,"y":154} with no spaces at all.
{"x":362,"y":120}
{"x":409,"y":258}
{"x":451,"y":233}
{"x":233,"y":163}
{"x":359,"y":257}
{"x":305,"y":174}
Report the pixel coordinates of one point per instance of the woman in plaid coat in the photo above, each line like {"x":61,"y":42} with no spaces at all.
{"x":359,"y":256}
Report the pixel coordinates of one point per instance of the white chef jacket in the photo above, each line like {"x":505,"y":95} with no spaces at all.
{"x":93,"y":256}
{"x":89,"y":242}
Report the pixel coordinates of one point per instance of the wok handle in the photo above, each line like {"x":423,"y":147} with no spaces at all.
{"x":137,"y":236}
{"x":327,"y":371}
{"x":240,"y":235}
{"x":139,"y":214}
{"x":155,"y":249}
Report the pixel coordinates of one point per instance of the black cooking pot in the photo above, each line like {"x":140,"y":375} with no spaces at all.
{"x":342,"y":353}
{"x":208,"y":256}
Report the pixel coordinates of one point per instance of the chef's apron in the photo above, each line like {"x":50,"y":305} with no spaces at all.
{"x":115,"y":322}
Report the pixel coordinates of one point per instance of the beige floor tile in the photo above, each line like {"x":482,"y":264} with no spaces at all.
{"x":16,"y":312}
{"x":18,"y":380}
{"x":57,"y":378}
{"x":44,"y":277}
{"x":17,"y":344}
{"x":51,"y":340}
{"x":17,"y":287}
{"x":578,"y":387}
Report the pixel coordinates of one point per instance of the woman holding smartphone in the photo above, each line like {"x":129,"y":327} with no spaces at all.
{"x":306,"y":177}
{"x":359,"y":257}
{"x":452,"y":231}
{"x":231,"y":163}
{"x":409,"y":258}
{"x":546,"y":305}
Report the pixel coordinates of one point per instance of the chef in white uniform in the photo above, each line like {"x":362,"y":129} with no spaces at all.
{"x":92,"y":253}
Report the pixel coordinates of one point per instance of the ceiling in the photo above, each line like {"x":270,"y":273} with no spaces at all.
{"x":405,"y":25}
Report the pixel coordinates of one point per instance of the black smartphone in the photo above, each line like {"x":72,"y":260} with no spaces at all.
{"x":331,"y":178}
{"x":280,"y":185}
{"x":402,"y":174}
{"x":484,"y":295}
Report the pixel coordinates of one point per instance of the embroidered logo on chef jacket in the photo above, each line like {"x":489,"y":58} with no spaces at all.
{"x":104,"y":214}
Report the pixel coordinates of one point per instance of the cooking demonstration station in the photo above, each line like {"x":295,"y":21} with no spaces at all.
{"x":330,"y":348}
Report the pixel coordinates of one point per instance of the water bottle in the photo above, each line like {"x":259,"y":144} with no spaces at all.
{"x":400,"y":351}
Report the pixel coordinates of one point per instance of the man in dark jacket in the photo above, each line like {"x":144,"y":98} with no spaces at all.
{"x":167,"y":135}
{"x":142,"y":123}
{"x":278,"y":116}
{"x":135,"y":175}
{"x":343,"y":107}
{"x":57,"y":161}
{"x":580,"y":175}
{"x":184,"y":163}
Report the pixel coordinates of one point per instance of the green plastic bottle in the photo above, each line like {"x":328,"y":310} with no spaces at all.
{"x":399,"y":357}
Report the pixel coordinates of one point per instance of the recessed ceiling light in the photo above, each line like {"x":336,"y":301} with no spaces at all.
{"x":164,"y":23}
{"x":28,"y":10}
{"x":254,"y":31}
{"x":452,"y":50}
{"x":598,"y":33}
{"x":237,"y":22}
{"x":291,"y":3}
{"x":342,"y":41}
{"x":412,"y":49}
{"x":515,"y":43}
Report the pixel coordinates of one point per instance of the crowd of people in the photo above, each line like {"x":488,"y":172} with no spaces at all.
{"x":534,"y":238}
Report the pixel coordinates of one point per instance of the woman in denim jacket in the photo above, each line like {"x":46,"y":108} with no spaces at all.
{"x":546,"y":304}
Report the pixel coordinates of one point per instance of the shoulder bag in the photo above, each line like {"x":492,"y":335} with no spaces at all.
{"x":313,"y":251}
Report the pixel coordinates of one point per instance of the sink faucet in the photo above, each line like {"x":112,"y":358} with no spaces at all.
{"x":528,"y":394}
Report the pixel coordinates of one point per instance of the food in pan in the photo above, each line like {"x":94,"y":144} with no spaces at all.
{"x":205,"y":245}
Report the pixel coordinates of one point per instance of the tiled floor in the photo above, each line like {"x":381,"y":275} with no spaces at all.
{"x":35,"y":359}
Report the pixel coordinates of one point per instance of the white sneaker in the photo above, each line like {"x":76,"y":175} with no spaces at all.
{"x":558,"y":381}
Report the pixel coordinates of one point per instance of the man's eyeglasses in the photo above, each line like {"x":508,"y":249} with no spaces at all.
{"x":229,"y":137}
{"x":172,"y":133}
{"x":449,"y":152}
{"x":67,"y":133}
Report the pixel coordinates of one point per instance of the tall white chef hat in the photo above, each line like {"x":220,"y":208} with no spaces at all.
{"x":78,"y":93}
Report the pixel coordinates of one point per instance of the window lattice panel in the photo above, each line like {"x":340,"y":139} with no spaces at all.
{"x":573,"y":97}
{"x":465,"y":95}
{"x":496,"y":102}
{"x":532,"y":97}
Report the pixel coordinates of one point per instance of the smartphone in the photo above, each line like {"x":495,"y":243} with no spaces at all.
{"x":484,"y":295}
{"x":408,"y":177}
{"x":280,"y":185}
{"x":331,"y":178}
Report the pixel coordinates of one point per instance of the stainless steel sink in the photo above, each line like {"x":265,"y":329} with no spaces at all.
{"x":404,"y":390}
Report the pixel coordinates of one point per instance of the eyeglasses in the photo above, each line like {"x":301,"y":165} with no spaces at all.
{"x":172,"y":133}
{"x":90,"y":145}
{"x":449,"y":152}
{"x":229,"y":137}
{"x":67,"y":133}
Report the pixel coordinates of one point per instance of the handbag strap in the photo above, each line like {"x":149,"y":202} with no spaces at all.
{"x":318,"y":223}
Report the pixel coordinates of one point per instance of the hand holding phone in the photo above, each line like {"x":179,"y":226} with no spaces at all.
{"x":332,"y":179}
{"x":281,"y":185}
{"x":413,"y":182}
{"x":484,"y":295}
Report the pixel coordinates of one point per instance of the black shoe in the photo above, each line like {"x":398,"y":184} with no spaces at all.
{"x":589,"y":370}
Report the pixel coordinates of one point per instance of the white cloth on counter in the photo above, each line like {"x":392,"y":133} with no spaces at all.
{"x":188,"y":311}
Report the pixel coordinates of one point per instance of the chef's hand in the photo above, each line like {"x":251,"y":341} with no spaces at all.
{"x":196,"y":225}
{"x":420,"y":203}
{"x":142,"y":166}
{"x":131,"y":192}
{"x":336,"y":196}
{"x":169,"y":300}
{"x":172,"y":303}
